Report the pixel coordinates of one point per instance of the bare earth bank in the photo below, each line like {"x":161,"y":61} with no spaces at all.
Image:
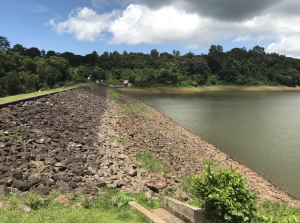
{"x":174,"y":90}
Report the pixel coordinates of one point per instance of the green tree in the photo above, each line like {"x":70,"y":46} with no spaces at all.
{"x":99,"y":74}
{"x":61,"y":64}
{"x":29,"y":81}
{"x":50,"y":53}
{"x":4,"y":44}
{"x":18,"y":48}
{"x":33,"y":52}
{"x":154,"y":54}
{"x":12,"y":83}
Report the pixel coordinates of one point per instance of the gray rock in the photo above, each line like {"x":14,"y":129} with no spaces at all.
{"x":4,"y":203}
{"x":41,"y":141}
{"x":3,"y":190}
{"x":132,"y":172}
{"x":24,"y":208}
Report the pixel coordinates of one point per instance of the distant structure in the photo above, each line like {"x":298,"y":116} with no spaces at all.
{"x":125,"y":83}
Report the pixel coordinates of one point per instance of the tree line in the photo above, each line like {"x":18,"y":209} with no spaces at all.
{"x":25,"y":70}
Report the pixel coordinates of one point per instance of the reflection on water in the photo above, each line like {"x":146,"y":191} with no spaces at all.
{"x":259,"y":129}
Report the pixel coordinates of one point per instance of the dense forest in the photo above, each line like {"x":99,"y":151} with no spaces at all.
{"x":25,"y":70}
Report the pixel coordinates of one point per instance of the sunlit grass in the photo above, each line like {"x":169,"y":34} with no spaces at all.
{"x":113,"y":94}
{"x":152,"y":163}
{"x":102,"y":209}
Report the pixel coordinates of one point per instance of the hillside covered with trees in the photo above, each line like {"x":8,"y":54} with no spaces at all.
{"x":25,"y":70}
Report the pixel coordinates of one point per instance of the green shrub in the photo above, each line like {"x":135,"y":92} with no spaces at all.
{"x":224,"y":195}
{"x":34,"y":201}
{"x":122,"y":199}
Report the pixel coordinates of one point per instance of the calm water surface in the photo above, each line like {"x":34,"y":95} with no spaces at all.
{"x":258,"y":129}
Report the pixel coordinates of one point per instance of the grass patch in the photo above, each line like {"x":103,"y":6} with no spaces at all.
{"x":144,"y":111}
{"x":126,"y":109}
{"x":132,"y":104}
{"x":102,"y":209}
{"x":151,"y":163}
{"x":186,"y":182}
{"x":119,"y":140}
{"x":273,"y":213}
{"x":113,"y":94}
{"x":14,"y":136}
{"x":37,"y":93}
{"x":128,"y":106}
{"x":146,"y":202}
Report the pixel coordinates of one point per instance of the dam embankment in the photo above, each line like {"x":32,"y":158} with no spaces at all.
{"x":71,"y":143}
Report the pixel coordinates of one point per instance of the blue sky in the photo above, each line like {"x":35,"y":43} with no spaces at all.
{"x":82,"y":27}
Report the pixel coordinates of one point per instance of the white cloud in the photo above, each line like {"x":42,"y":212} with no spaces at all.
{"x":170,"y":24}
{"x":85,"y":23}
{"x":289,"y":46}
{"x":139,"y":24}
{"x":244,"y":38}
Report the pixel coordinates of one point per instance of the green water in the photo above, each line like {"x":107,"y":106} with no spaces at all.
{"x":259,"y":129}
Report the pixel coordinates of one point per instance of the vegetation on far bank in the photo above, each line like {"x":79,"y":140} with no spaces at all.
{"x":25,"y":70}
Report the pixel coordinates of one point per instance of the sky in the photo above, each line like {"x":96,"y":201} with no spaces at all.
{"x":84,"y":26}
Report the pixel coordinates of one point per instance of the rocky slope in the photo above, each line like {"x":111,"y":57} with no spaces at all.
{"x":69,"y":145}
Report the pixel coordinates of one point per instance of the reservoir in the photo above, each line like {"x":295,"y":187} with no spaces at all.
{"x":260,"y":129}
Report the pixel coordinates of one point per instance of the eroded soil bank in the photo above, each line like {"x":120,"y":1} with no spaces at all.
{"x":174,"y":90}
{"x":71,"y":143}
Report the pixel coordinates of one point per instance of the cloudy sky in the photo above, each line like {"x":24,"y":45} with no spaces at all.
{"x":141,"y":25}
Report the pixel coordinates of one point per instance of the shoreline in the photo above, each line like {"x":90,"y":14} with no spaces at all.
{"x":176,"y":90}
{"x":184,"y":152}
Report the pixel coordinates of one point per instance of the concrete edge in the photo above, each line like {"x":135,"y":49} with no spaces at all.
{"x":184,"y":211}
{"x":152,"y":217}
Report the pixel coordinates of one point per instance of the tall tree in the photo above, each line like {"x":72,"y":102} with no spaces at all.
{"x":4,"y":44}
{"x":33,"y":52}
{"x":50,"y":53}
{"x":154,"y":54}
{"x":18,"y":48}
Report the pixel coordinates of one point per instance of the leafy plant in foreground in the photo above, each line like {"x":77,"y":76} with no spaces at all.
{"x":224,"y":195}
{"x":122,"y":199}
